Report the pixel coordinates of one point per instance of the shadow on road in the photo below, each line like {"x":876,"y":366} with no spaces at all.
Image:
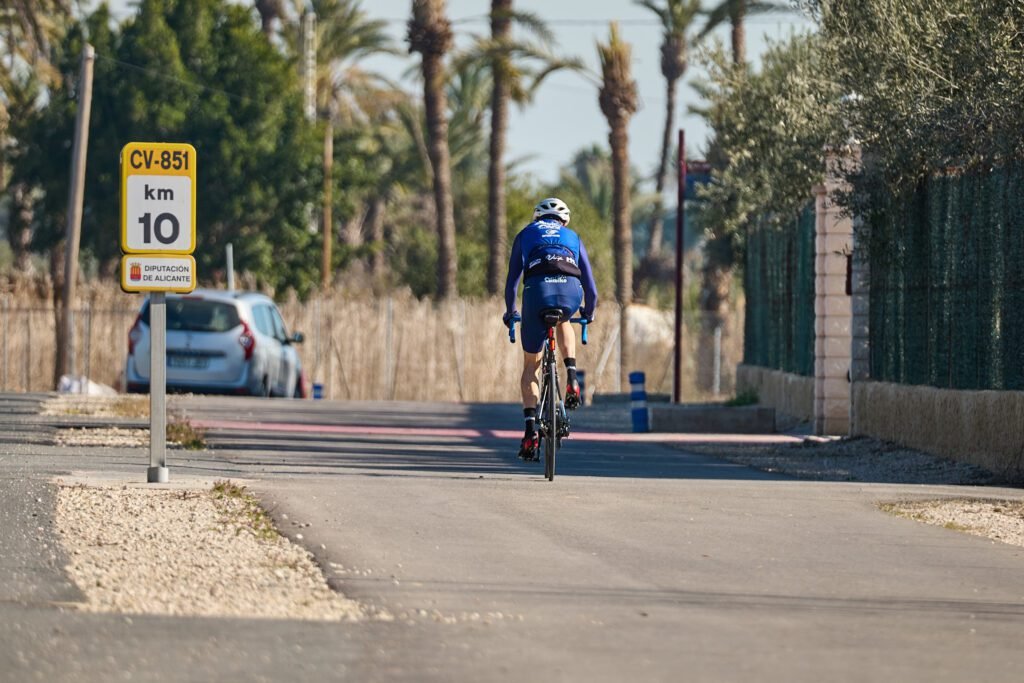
{"x":456,"y":440}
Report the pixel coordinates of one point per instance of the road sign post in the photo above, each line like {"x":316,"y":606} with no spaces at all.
{"x":158,"y":236}
{"x":158,"y":472}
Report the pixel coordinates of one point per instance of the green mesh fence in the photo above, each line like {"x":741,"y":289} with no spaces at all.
{"x":778,"y":281}
{"x":947,"y":269}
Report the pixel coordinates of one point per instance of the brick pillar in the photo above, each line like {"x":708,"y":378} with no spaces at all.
{"x":832,"y":308}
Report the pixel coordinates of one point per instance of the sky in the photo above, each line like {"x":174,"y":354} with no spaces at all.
{"x":564,"y":116}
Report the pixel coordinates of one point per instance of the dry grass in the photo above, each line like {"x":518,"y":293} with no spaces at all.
{"x":185,"y":435}
{"x":136,"y":406}
{"x":397,"y":348}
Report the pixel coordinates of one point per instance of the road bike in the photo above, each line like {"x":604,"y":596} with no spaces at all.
{"x":552,"y":419}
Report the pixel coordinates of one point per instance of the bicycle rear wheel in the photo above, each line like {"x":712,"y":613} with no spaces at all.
{"x":551,"y":408}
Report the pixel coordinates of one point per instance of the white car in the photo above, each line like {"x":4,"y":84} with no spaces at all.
{"x":219,"y":342}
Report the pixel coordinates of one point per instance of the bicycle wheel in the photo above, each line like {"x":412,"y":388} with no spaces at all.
{"x":551,"y":408}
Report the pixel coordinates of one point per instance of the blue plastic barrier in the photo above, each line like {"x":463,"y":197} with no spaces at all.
{"x":638,"y":402}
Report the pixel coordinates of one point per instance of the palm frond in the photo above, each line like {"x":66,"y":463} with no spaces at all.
{"x":533,"y":23}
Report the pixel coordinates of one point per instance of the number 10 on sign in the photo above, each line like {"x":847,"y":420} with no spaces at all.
{"x":158,"y":201}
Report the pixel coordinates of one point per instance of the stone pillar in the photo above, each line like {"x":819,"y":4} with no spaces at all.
{"x":832,"y":307}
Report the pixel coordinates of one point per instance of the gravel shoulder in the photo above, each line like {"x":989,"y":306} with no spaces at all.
{"x":870,"y":460}
{"x":188,"y":551}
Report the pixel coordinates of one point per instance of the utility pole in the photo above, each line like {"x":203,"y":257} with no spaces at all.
{"x":76,"y":190}
{"x":677,"y":384}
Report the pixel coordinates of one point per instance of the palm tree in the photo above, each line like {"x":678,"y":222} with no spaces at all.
{"x":509,"y":62}
{"x":618,"y":100}
{"x":736,"y":11}
{"x":497,"y":222}
{"x":344,"y":34}
{"x":430,"y":34}
{"x":27,"y":29}
{"x":28,"y":26}
{"x":677,"y":17}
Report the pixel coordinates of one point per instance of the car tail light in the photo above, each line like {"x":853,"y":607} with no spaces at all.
{"x":134,"y":334}
{"x":248,"y":340}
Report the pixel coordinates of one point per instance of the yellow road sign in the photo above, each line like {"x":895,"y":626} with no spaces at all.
{"x":158,"y":198}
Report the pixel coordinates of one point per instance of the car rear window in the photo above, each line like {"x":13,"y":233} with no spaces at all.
{"x":198,"y":315}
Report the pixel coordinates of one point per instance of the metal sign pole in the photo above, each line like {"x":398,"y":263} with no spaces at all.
{"x":677,"y":379}
{"x":158,"y":472}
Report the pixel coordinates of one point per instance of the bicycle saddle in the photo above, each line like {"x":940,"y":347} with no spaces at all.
{"x":552,"y":316}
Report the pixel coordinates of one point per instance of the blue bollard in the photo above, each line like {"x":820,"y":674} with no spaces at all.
{"x":318,"y":390}
{"x":638,"y":402}
{"x":580,"y":377}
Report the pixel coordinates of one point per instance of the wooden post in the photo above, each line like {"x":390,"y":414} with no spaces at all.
{"x":76,"y":190}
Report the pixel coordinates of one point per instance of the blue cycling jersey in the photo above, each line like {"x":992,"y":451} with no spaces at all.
{"x":546,"y":247}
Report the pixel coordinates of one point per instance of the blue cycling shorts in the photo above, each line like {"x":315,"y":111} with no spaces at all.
{"x":547,"y":291}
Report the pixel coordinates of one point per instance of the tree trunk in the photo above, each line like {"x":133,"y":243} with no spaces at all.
{"x":57,"y":258}
{"x":497,"y":226}
{"x":437,"y":134}
{"x":622,"y":240}
{"x":623,"y":229}
{"x":375,"y":233}
{"x":326,"y":267}
{"x":658,"y":223}
{"x":716,"y":288}
{"x":739,"y":33}
{"x":20,"y":227}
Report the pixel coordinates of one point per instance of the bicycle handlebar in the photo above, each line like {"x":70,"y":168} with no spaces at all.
{"x":512,"y":328}
{"x":583,"y":327}
{"x":583,"y":322}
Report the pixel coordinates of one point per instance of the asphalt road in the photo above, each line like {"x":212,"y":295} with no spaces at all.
{"x":639,"y":562}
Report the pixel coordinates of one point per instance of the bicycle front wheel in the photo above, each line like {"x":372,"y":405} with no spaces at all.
{"x":551,"y":408}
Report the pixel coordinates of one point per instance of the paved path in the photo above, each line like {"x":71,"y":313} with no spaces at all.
{"x":638,"y":562}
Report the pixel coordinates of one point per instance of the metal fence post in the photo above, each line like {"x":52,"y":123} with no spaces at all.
{"x":88,"y":343}
{"x":7,"y":331}
{"x":28,"y":350}
{"x":389,"y":348}
{"x":716,"y":385}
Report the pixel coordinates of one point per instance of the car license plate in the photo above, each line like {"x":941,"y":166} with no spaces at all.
{"x":189,"y":362}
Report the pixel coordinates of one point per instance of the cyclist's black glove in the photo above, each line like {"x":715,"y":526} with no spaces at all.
{"x":589,"y":317}
{"x":509,"y":318}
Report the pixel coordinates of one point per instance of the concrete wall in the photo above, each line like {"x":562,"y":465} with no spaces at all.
{"x":789,"y":394}
{"x":985,"y":428}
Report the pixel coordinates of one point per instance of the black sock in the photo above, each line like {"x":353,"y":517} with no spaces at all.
{"x":531,"y":419}
{"x":570,"y":368}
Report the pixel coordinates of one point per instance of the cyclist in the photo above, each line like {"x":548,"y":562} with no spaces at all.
{"x":553,"y":262}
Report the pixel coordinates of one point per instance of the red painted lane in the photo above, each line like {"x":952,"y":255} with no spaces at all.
{"x":367,"y":430}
